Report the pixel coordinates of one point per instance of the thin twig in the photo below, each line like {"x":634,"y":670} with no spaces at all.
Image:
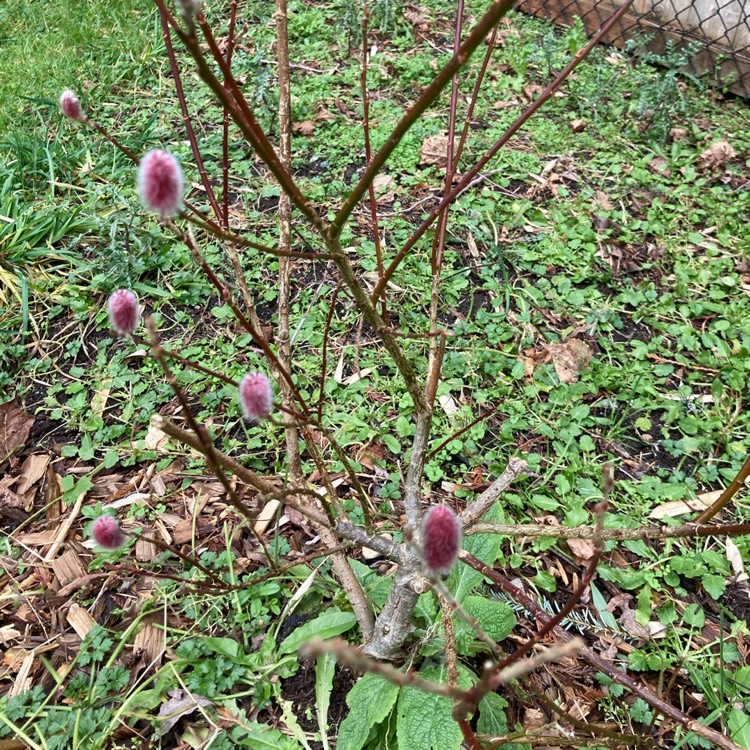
{"x":466,"y":180}
{"x":490,"y":19}
{"x":727,"y":495}
{"x":187,"y":121}
{"x":598,"y":662}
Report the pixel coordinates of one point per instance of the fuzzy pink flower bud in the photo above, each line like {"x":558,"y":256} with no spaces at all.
{"x":441,"y":539}
{"x":160,"y":183}
{"x":106,"y":532}
{"x":124,"y":311}
{"x":256,"y":396}
{"x":70,"y":105}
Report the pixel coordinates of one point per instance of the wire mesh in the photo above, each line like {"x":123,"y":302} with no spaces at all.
{"x":715,"y":33}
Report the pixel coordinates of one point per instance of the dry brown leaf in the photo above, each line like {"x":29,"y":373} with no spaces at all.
{"x":179,"y":704}
{"x":306,"y":127}
{"x":8,"y":498}
{"x":583,"y":549}
{"x":716,"y":156}
{"x":417,"y":17}
{"x":604,"y":202}
{"x":570,"y":359}
{"x":659,"y":165}
{"x":156,"y":439}
{"x":678,"y":134}
{"x":578,"y":126}
{"x":627,"y":618}
{"x":382,"y":182}
{"x":434,"y":151}
{"x":32,"y":471}
{"x":681,"y":507}
{"x":15,"y":426}
{"x":322,"y":114}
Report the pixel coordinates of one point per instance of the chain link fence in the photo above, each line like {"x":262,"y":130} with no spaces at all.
{"x":714,"y":33}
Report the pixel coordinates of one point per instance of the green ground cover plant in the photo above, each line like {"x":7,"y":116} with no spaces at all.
{"x":594,"y":285}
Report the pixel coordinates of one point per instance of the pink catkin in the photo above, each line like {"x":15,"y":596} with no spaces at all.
{"x":107,"y":533}
{"x":124,"y":311}
{"x":441,"y":539}
{"x":256,"y":396}
{"x":70,"y":105}
{"x":160,"y":183}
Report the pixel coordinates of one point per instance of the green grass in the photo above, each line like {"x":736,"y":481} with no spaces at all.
{"x":96,"y":48}
{"x":573,"y":235}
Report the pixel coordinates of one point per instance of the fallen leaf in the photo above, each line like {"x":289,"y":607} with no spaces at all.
{"x":604,"y":202}
{"x":678,"y":134}
{"x":716,"y":156}
{"x":734,"y":556}
{"x":179,"y":704}
{"x":434,"y":151}
{"x":15,"y":426}
{"x":8,"y":498}
{"x":570,"y":359}
{"x":659,"y":165}
{"x":322,"y":114}
{"x":32,"y":471}
{"x":679,"y":508}
{"x":382,"y":182}
{"x":307,"y":127}
{"x":627,"y":618}
{"x":357,"y":376}
{"x":100,"y":397}
{"x":449,"y":405}
{"x":156,"y":439}
{"x":415,"y":18}
{"x":583,"y":549}
{"x":578,"y":126}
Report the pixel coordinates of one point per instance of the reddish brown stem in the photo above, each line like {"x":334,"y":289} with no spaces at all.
{"x":226,"y":295}
{"x":488,"y":21}
{"x":598,"y":662}
{"x":326,"y":334}
{"x":727,"y":495}
{"x":460,"y":432}
{"x":487,"y":683}
{"x":469,"y":737}
{"x":187,"y":121}
{"x":368,"y":149}
{"x":225,"y":124}
{"x":474,"y":97}
{"x":512,"y":130}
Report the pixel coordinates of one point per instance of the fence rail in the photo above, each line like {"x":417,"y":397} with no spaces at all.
{"x":718,"y":31}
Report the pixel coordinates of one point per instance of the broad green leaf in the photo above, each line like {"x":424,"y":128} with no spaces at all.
{"x":325,"y":666}
{"x":369,"y":701}
{"x":226,"y":647}
{"x":739,"y":727}
{"x":262,"y":737}
{"x":463,"y":579}
{"x":492,"y":718}
{"x":425,"y":721}
{"x":496,"y":618}
{"x":329,"y":624}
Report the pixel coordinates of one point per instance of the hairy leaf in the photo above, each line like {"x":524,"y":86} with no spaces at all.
{"x":369,"y":701}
